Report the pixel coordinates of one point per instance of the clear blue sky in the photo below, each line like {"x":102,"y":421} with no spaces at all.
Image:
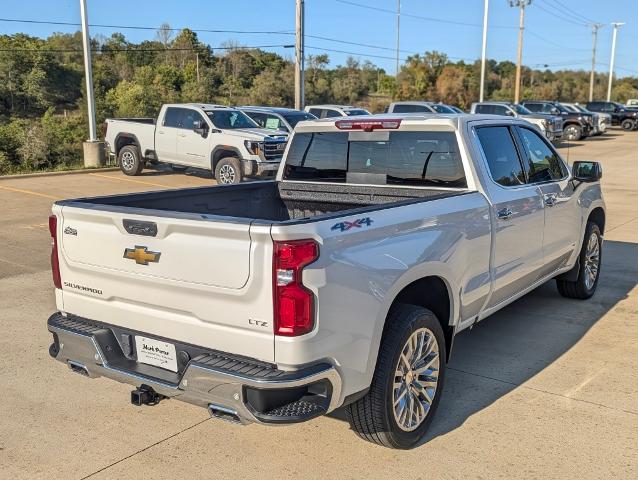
{"x":554,"y":35}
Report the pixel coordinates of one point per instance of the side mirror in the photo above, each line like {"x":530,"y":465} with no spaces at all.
{"x":555,"y":111}
{"x":509,"y":113}
{"x":200,"y":127}
{"x":587,"y":172}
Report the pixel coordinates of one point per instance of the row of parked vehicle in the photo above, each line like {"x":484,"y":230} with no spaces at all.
{"x":249,"y":141}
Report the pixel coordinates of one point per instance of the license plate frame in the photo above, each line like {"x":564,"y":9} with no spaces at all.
{"x":157,"y":353}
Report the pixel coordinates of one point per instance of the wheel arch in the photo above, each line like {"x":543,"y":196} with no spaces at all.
{"x":597,"y":215}
{"x":124,"y":139}
{"x":429,"y":288}
{"x":222,"y":151}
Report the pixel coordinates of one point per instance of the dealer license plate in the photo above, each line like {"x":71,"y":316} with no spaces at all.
{"x":156,"y":352}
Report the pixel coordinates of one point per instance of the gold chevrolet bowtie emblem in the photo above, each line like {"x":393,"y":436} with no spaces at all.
{"x":141,"y":255}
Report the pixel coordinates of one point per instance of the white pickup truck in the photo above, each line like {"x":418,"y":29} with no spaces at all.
{"x":342,"y":283}
{"x":221,"y":139}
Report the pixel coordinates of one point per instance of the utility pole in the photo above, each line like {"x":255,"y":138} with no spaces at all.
{"x":93,"y":150}
{"x":88,"y":72}
{"x":484,"y":49}
{"x":521,"y":27}
{"x":398,"y":34}
{"x":299,"y":55}
{"x":594,"y":33}
{"x":616,"y":25}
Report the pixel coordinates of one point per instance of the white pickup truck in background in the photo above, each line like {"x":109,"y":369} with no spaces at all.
{"x":342,"y":283}
{"x":221,"y":139}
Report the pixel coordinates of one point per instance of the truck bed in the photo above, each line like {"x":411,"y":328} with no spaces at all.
{"x":271,"y":202}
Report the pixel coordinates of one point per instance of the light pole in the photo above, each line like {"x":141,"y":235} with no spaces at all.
{"x":616,"y":25}
{"x":299,"y":55}
{"x":484,"y":49}
{"x":93,"y":150}
{"x":594,"y":33}
{"x":398,"y":34}
{"x":521,"y":27}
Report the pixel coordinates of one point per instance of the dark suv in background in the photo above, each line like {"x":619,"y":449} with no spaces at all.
{"x":620,"y":115}
{"x":575,"y":125}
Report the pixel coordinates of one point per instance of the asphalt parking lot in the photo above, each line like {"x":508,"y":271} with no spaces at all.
{"x":546,"y":388}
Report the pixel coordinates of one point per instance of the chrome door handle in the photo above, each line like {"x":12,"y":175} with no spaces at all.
{"x":504,"y":214}
{"x":550,"y":200}
{"x":161,"y":132}
{"x":182,"y":134}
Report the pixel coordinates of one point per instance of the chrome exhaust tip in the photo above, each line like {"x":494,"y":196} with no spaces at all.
{"x":223,"y":413}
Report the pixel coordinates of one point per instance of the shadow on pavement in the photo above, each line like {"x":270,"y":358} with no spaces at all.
{"x":513,"y":345}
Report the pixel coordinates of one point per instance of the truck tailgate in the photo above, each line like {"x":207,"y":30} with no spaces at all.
{"x":179,"y":278}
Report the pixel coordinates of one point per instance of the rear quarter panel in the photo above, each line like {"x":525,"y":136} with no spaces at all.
{"x":360,"y":271}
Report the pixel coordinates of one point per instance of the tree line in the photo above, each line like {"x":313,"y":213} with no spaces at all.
{"x":42,"y":90}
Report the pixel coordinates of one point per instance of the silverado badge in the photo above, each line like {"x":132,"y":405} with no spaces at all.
{"x":141,"y":255}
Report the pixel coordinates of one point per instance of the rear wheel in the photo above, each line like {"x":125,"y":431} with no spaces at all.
{"x":130,"y":160}
{"x":406,"y":387}
{"x":628,"y":124}
{"x":228,"y":171}
{"x":573,"y":133}
{"x":589,"y":267}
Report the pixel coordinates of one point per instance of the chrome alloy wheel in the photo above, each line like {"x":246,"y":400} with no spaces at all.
{"x":128,"y":161}
{"x":226,"y":174}
{"x":415,"y":379}
{"x":592,"y":261}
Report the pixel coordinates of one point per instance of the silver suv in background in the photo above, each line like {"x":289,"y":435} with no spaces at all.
{"x":329,"y":111}
{"x":277,"y":118}
{"x":419,"y":107}
{"x":550,"y":125}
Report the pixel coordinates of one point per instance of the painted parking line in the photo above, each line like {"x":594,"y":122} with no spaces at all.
{"x":129,"y":180}
{"x":28,"y":192}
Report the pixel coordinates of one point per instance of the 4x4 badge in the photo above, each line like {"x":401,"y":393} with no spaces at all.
{"x":141,"y":255}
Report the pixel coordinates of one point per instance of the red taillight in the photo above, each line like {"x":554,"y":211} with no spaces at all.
{"x":293,"y":303}
{"x":368,"y":125}
{"x":55,"y":264}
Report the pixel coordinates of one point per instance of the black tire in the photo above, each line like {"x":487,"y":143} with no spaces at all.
{"x":580,"y":288}
{"x":178,"y":168}
{"x":130,"y":160}
{"x":228,"y":171}
{"x":628,"y":124}
{"x":573,"y":133}
{"x":372,"y":417}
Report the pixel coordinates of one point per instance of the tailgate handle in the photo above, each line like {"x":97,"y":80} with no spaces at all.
{"x":140,"y":227}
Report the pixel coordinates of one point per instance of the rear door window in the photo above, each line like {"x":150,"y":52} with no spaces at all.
{"x":543,"y":164}
{"x":487,"y":109}
{"x":172,"y":117}
{"x":332,"y":113}
{"x":501,"y":155}
{"x":392,"y":158}
{"x":500,"y":110}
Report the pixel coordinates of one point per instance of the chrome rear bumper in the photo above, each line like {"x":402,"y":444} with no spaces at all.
{"x":219,"y":382}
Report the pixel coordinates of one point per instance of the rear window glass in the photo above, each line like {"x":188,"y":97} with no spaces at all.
{"x":392,"y":158}
{"x":357,"y":111}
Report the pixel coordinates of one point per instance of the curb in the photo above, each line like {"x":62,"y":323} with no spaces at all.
{"x":52,"y":174}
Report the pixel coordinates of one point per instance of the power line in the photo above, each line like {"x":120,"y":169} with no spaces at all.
{"x":117,"y":50}
{"x":569,"y":11}
{"x":551,"y":42}
{"x":138,"y":27}
{"x":419,"y":17}
{"x":561,"y":16}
